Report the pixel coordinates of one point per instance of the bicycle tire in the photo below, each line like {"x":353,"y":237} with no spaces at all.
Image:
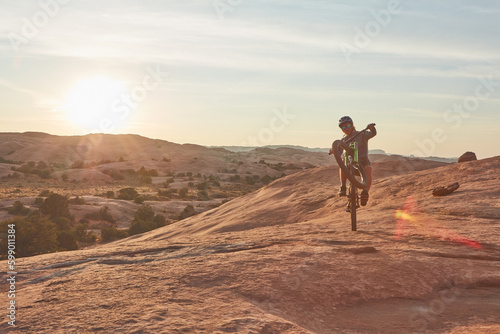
{"x":353,"y":206}
{"x":337,"y":148}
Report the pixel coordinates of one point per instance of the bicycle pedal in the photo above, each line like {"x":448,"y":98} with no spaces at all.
{"x":347,"y":209}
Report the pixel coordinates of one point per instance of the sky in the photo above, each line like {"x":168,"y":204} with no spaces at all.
{"x":256,"y":73}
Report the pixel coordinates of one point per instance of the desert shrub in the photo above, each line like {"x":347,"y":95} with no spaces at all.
{"x":110,"y":194}
{"x":5,"y":161}
{"x":82,"y":235}
{"x":41,"y":165}
{"x":164,"y":193}
{"x":235,"y":178}
{"x":35,"y":234}
{"x":146,"y":179}
{"x":45,"y":193}
{"x":127,"y":193}
{"x":202,"y":186}
{"x":66,"y":240}
{"x":64,"y":177}
{"x":183,"y":192}
{"x":249,"y":180}
{"x":77,"y":200}
{"x":101,"y":214}
{"x":139,"y":199}
{"x":145,"y":212}
{"x":44,"y":174}
{"x":187,"y":212}
{"x":181,"y":174}
{"x":112,"y":233}
{"x":56,"y":206}
{"x":202,"y":195}
{"x":151,"y":172}
{"x":78,"y":164}
{"x":39,"y":201}
{"x":266,"y":179}
{"x":62,"y":223}
{"x":146,"y":220}
{"x":18,"y":209}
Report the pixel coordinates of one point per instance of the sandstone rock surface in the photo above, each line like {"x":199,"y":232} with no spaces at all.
{"x":283,"y":260}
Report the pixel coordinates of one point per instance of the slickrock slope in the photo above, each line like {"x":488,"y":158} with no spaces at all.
{"x":283,"y":260}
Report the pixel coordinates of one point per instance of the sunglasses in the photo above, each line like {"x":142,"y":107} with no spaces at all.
{"x":346,"y":126}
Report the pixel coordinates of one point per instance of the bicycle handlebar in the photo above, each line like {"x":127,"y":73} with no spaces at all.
{"x":357,"y":134}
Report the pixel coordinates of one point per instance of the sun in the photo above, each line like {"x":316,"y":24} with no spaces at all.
{"x":90,"y":103}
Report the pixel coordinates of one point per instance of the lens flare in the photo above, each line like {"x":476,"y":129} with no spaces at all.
{"x":411,"y":219}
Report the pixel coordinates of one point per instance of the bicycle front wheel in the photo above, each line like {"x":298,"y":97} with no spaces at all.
{"x":353,"y":201}
{"x":337,"y":148}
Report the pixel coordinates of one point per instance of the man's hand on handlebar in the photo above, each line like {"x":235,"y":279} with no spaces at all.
{"x":371,"y":126}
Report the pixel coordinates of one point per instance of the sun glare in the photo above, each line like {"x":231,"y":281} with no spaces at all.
{"x":90,"y":103}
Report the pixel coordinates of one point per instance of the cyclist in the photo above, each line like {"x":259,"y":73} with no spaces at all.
{"x":347,"y":126}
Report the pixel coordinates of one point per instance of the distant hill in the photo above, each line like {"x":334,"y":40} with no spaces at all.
{"x":323,"y":149}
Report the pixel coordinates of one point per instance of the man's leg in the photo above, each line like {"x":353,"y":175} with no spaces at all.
{"x":343,"y":181}
{"x":364,"y":193}
{"x":368,"y":171}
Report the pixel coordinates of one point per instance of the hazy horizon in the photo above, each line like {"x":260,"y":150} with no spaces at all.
{"x":241,"y":73}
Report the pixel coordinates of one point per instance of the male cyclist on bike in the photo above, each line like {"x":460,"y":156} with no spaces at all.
{"x":347,"y":126}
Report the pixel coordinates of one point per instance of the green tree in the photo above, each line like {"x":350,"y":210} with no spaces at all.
{"x":35,"y":234}
{"x":66,"y":240}
{"x":56,"y":206}
{"x":145,"y":220}
{"x":18,"y":209}
{"x":127,"y":193}
{"x":112,"y":233}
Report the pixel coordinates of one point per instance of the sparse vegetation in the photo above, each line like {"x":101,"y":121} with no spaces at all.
{"x":42,"y":169}
{"x":18,"y":209}
{"x":6,"y":161}
{"x":187,"y":212}
{"x":77,"y":200}
{"x":146,"y":220}
{"x":101,"y":214}
{"x":112,"y":234}
{"x":127,"y":193}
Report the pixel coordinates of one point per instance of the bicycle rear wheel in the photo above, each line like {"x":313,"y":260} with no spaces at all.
{"x":337,"y":148}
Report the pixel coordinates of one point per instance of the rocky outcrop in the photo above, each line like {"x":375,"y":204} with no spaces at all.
{"x":467,"y":156}
{"x":442,"y":191}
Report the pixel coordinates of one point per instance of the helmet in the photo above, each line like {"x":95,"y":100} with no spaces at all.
{"x":345,"y":119}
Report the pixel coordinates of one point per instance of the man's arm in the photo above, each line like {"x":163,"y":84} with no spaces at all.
{"x":372,"y":131}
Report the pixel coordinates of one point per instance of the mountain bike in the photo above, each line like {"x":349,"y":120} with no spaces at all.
{"x":348,"y":163}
